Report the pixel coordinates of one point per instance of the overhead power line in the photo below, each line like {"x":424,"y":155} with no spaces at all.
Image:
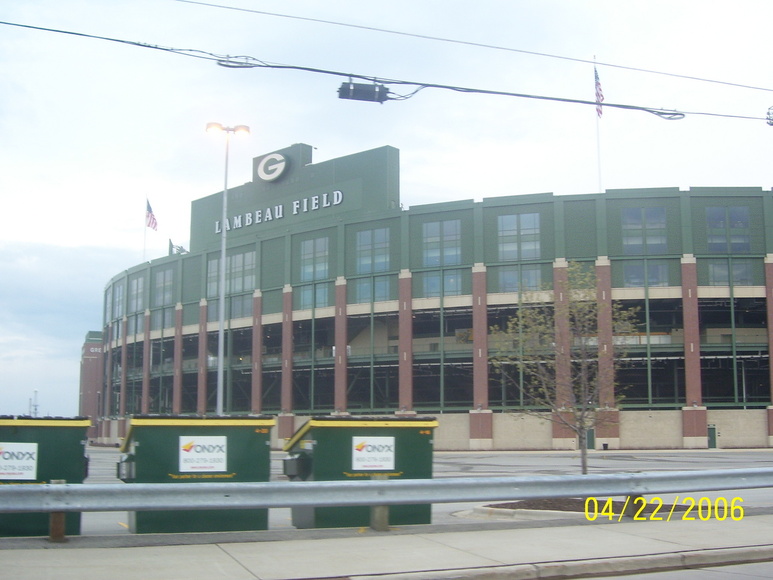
{"x":475,"y":44}
{"x":245,"y":61}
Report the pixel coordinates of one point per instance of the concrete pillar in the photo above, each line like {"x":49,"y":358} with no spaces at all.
{"x":256,"y":384}
{"x":177,"y":376}
{"x":405,"y":342}
{"x":341,"y":362}
{"x":285,"y":421}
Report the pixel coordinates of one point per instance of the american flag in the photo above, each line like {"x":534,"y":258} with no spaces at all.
{"x":150,"y":218}
{"x":599,"y":92}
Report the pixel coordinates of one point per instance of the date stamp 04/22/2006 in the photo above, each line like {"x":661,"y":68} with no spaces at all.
{"x":654,"y":509}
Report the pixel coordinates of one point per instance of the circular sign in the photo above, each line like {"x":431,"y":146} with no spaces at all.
{"x":271,"y":166}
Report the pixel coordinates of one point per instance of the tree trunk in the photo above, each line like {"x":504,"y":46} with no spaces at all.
{"x":582,"y":437}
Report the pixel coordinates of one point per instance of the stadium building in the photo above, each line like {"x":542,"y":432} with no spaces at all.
{"x":341,"y":301}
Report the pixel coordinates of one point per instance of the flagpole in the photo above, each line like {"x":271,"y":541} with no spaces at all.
{"x":599,"y":100}
{"x":598,"y":152}
{"x":145,"y":231}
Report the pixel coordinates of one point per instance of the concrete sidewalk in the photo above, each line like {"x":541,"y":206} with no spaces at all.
{"x":562,"y":549}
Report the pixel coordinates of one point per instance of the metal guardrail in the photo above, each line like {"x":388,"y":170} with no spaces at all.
{"x":185,"y":496}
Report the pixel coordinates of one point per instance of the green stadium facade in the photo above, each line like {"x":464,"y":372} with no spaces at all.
{"x":339,"y":300}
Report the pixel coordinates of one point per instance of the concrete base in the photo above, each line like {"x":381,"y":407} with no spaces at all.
{"x":695,"y":442}
{"x":610,"y":442}
{"x":285,"y":425}
{"x":481,"y":444}
{"x":564,"y":444}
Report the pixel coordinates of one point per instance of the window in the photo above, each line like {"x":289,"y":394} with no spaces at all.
{"x":108,"y":304}
{"x":520,"y":278}
{"x":312,"y":296}
{"x":239,"y":274}
{"x":241,"y":306}
{"x":644,"y":230}
{"x":446,"y":283}
{"x":136,"y":294}
{"x":519,"y":237}
{"x":118,"y":305}
{"x":720,"y":272}
{"x":728,"y":229}
{"x":442,"y":243}
{"x":314,"y":259}
{"x":162,"y":287}
{"x":162,"y":318}
{"x":636,"y":273}
{"x":372,"y":251}
{"x":375,"y":289}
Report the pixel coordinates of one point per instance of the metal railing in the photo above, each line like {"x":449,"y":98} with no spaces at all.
{"x":185,"y":496}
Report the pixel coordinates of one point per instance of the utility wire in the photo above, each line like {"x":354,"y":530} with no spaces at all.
{"x":475,"y":44}
{"x":229,"y":61}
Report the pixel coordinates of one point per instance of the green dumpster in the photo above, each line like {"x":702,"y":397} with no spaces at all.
{"x":39,"y":450}
{"x":346,"y":448}
{"x":192,"y":450}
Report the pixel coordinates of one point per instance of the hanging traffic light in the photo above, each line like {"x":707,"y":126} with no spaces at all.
{"x":363,"y":92}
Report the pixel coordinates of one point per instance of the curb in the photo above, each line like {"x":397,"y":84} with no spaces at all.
{"x":524,"y":514}
{"x":584,"y":568}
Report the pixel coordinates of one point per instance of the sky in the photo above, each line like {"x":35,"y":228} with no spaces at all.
{"x":90,"y":128}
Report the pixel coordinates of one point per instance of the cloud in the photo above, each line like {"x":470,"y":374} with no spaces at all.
{"x":49,"y":298}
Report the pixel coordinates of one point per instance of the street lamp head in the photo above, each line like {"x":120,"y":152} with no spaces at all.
{"x":219,"y":128}
{"x":215,"y":128}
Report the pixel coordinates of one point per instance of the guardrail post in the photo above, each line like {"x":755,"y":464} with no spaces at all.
{"x":56,"y":521}
{"x":632,"y":508}
{"x":379,"y":514}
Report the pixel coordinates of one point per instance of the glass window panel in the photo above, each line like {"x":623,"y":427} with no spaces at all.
{"x":631,"y":218}
{"x":633,"y":275}
{"x":529,"y":223}
{"x":320,"y":295}
{"x":431,"y":284}
{"x":657,"y":274}
{"x":742,"y":273}
{"x":738,"y":217}
{"x":656,"y":243}
{"x":715,"y":217}
{"x":740,"y":243}
{"x":655,"y":217}
{"x":452,"y":283}
{"x":381,"y":288}
{"x":718,"y":273}
{"x":304,"y":297}
{"x":508,"y":279}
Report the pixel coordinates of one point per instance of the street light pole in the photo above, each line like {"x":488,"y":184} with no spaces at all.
{"x":238,"y":129}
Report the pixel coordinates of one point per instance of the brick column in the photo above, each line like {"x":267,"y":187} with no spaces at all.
{"x":145,"y":397}
{"x":405,"y":342}
{"x":286,"y":419}
{"x":563,"y":438}
{"x":256,"y":384}
{"x":107,"y":396}
{"x":340,"y":365}
{"x":607,"y":417}
{"x":177,"y":377}
{"x":124,"y":360}
{"x":695,"y":431}
{"x":481,"y":417}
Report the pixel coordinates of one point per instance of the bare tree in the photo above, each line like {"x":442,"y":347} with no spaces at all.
{"x":561,"y":350}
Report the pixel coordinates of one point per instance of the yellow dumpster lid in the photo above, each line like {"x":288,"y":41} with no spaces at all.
{"x":263,"y":420}
{"x":44,"y":422}
{"x":359,"y":421}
